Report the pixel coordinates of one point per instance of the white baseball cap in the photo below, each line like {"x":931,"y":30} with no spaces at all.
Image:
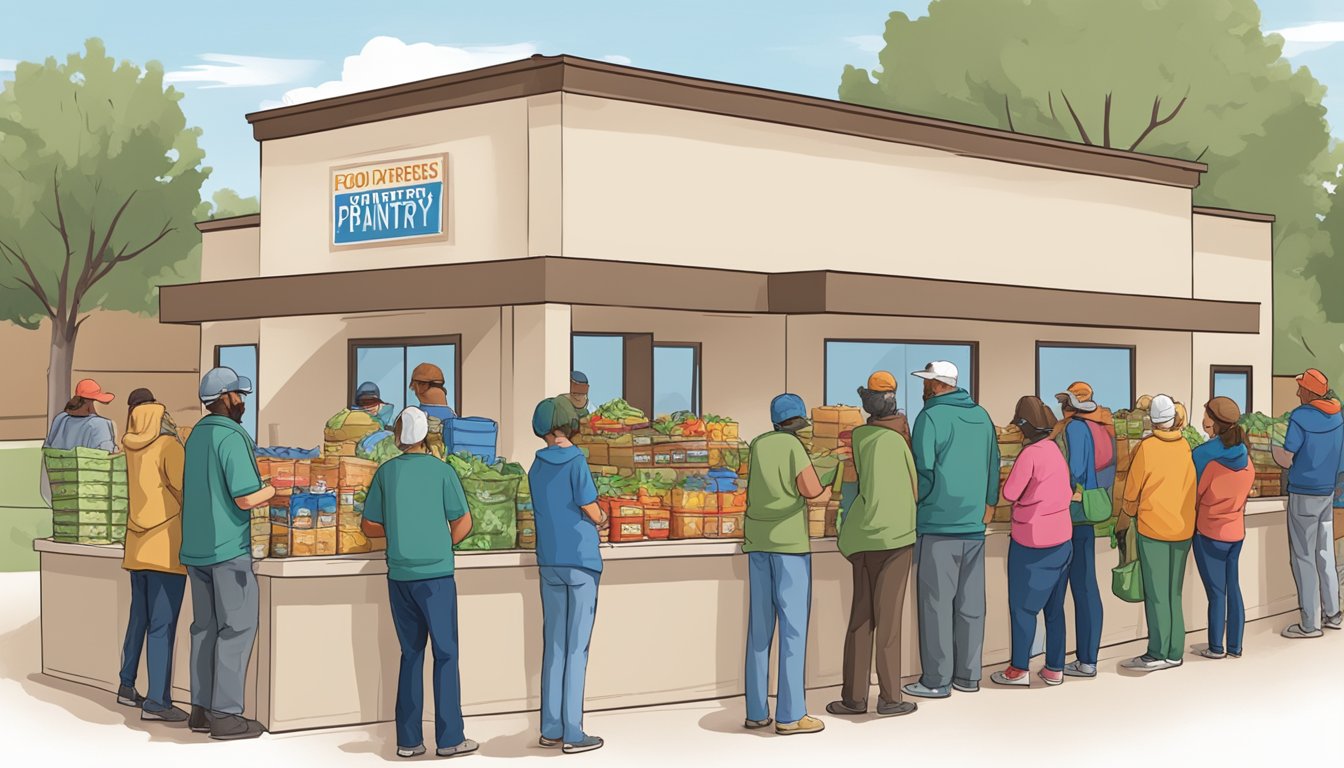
{"x":414,"y":426}
{"x":939,"y":370}
{"x":1162,"y":409}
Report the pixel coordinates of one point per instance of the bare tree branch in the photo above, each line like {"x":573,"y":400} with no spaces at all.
{"x":1106,"y":124}
{"x":1154,"y":122}
{"x":32,"y":283}
{"x":122,"y":256}
{"x":94,"y":261}
{"x":1008,"y":113}
{"x":64,"y":283}
{"x":1201,"y":155}
{"x":1077,"y":121}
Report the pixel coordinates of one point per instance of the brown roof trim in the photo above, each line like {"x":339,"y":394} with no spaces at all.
{"x":233,"y":222}
{"x":547,"y":74}
{"x":1228,"y":213}
{"x":549,"y":279}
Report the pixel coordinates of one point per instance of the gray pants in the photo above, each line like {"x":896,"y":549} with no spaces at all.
{"x":223,"y":627}
{"x":1311,"y":545}
{"x":950,"y":592}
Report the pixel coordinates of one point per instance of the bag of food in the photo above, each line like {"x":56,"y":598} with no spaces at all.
{"x":349,"y":424}
{"x":1126,"y":578}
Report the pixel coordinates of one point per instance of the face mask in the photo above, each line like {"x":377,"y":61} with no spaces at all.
{"x":237,"y":409}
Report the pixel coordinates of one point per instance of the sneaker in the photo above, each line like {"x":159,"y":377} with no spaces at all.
{"x":1080,"y":669}
{"x":806,"y":725}
{"x":1209,"y":653}
{"x":127,"y":697}
{"x":411,"y":751}
{"x":588,"y":744}
{"x":1052,"y":676}
{"x":234,"y":728}
{"x":1234,"y":654}
{"x":1296,"y":632}
{"x":169,"y":715}
{"x":918,"y":689}
{"x":1173,"y":663}
{"x":468,"y":746}
{"x":842,"y":709}
{"x":896,"y":708}
{"x":756,"y":725}
{"x":549,"y":743}
{"x":1335,"y":622}
{"x":1011,"y":676}
{"x":966,"y":686}
{"x":1145,"y":663}
{"x":199,"y":722}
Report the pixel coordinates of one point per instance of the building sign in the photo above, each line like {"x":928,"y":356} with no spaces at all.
{"x":401,"y":200}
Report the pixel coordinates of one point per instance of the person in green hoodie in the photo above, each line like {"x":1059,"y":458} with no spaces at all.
{"x":877,"y":536}
{"x":957,"y":461}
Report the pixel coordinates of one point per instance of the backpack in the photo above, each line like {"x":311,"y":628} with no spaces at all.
{"x":1103,"y":445}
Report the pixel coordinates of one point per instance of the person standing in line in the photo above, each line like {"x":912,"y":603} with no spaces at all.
{"x":1311,"y":453}
{"x":957,"y":460}
{"x":370,"y":400}
{"x":1224,"y":477}
{"x":1087,"y":434}
{"x":578,"y":393}
{"x":564,"y":499}
{"x":220,"y":488}
{"x":1160,"y":495}
{"x":80,"y":426}
{"x":1041,"y":546}
{"x":877,"y":536}
{"x":417,"y":502}
{"x":154,"y":465}
{"x":779,"y":561}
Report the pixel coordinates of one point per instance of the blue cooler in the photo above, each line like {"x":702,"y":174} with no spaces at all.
{"x":722,"y":480}
{"x":475,"y":435}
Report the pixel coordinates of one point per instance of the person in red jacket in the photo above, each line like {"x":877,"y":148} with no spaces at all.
{"x":1224,"y":475}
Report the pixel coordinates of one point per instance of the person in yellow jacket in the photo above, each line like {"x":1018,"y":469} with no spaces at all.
{"x":154,"y":465}
{"x":1160,"y":494}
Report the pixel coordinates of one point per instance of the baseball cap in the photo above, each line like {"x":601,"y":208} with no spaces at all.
{"x":578,"y":377}
{"x":218,"y":382}
{"x":939,"y":370}
{"x":367,"y":389}
{"x":554,"y":413}
{"x":89,"y":390}
{"x":1314,"y":382}
{"x":139,"y":397}
{"x":882,"y":381}
{"x":414,"y":426}
{"x":429,"y":373}
{"x":1162,"y":409}
{"x":785,"y":407}
{"x":1078,"y":397}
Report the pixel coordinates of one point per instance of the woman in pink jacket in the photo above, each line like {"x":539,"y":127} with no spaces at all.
{"x":1041,"y":548}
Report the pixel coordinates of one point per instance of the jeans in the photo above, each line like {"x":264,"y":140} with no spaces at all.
{"x":1217,"y":564}
{"x":1311,"y":526}
{"x":880,"y":579}
{"x":1162,"y":565}
{"x":223,"y":629}
{"x":568,"y":611}
{"x":1038,"y":579}
{"x":156,"y":602}
{"x":427,"y":610}
{"x":781,"y":591}
{"x":1087,"y":612}
{"x":950,"y":592}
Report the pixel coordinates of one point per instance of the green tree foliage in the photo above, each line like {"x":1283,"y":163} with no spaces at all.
{"x":1192,"y":79}
{"x":226,"y":203}
{"x":99,"y":180}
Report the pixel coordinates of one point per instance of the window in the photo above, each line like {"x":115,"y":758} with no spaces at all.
{"x":600,"y":357}
{"x":242,"y":358}
{"x":850,"y":363}
{"x":1108,"y":369}
{"x":1232,"y":381}
{"x":676,"y":377}
{"x":389,"y":363}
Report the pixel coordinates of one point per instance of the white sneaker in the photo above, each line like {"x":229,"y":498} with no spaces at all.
{"x":1079,"y":669}
{"x":1296,"y":632}
{"x":1335,"y":622}
{"x":1145,"y":663}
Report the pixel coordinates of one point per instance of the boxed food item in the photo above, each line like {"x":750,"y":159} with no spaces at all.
{"x":291,"y":473}
{"x":845,"y":415}
{"x":657,"y":523}
{"x":598,"y":452}
{"x":726,"y":525}
{"x":683,"y":524}
{"x":339,"y":472}
{"x":345,"y":448}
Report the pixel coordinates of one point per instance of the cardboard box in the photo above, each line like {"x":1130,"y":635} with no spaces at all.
{"x":338,"y":472}
{"x":845,"y":415}
{"x":598,"y":452}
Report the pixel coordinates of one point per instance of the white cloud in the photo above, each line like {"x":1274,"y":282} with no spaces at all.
{"x":8,"y":65}
{"x":1311,"y":37}
{"x":867,"y":43}
{"x":388,"y":61}
{"x":229,"y":71}
{"x":616,"y":58}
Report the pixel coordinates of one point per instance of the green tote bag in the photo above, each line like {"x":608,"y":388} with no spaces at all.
{"x":1126,"y":580}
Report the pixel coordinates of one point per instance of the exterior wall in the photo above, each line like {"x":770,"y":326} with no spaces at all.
{"x":678,"y":187}
{"x":121,"y":350}
{"x":230,"y":254}
{"x":1234,"y":262}
{"x":487,"y":189}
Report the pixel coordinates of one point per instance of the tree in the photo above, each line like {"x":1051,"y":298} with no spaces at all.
{"x":228,"y":203}
{"x":99,"y":179}
{"x":1193,"y":79}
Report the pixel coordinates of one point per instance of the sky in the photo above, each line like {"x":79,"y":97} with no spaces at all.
{"x":243,"y":56}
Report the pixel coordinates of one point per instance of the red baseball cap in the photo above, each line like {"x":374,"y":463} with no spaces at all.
{"x":1314,"y":382}
{"x":89,"y":390}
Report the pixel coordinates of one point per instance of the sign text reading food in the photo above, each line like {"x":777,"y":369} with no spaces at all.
{"x":388,"y":201}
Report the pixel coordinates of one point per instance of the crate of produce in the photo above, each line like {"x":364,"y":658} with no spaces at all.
{"x":821,"y":519}
{"x":726,"y":525}
{"x":657,"y":523}
{"x":82,"y":461}
{"x":492,"y":492}
{"x":685,"y":524}
{"x":626,"y":518}
{"x":341,"y":473}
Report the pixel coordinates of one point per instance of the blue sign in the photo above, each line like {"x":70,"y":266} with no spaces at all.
{"x":391,"y":213}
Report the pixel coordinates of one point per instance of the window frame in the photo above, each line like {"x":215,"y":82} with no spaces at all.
{"x":256,"y":386}
{"x":697,"y":396}
{"x":404,"y":342}
{"x":1247,"y":370}
{"x":1133,"y":362}
{"x":974,"y":346}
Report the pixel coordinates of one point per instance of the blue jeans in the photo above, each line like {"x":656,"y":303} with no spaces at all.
{"x":156,"y":602}
{"x":1217,"y":562}
{"x":568,"y":611}
{"x":1038,"y":580}
{"x":423,"y":610}
{"x":1086,"y":595}
{"x":781,"y":591}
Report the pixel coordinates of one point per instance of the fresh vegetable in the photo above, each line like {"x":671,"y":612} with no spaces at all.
{"x":615,"y":485}
{"x":665,"y":427}
{"x":618,"y":410}
{"x":1192,"y":436}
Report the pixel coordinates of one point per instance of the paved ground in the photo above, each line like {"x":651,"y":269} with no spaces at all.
{"x":1283,"y":698}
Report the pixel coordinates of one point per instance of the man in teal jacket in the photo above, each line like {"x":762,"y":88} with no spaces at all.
{"x":957,"y":461}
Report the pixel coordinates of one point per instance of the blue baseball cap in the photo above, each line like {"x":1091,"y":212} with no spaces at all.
{"x":785,"y":407}
{"x":367,"y":389}
{"x":218,"y":382}
{"x":578,"y":377}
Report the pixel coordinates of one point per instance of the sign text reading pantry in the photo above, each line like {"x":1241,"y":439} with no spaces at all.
{"x":387,"y":201}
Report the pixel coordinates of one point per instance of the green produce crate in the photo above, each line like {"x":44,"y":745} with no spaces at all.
{"x":119,"y":519}
{"x":80,"y":459}
{"x":82,"y":517}
{"x":81,"y":490}
{"x":79,"y":476}
{"x":103,"y":505}
{"x":88,"y":534}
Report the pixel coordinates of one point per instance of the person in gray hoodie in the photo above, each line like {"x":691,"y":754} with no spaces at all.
{"x":957,"y":461}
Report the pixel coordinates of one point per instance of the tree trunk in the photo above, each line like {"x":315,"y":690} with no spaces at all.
{"x":59,"y":387}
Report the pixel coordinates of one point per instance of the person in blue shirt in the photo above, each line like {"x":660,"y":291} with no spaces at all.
{"x":428,"y":386}
{"x":567,"y":519}
{"x":370,"y":400}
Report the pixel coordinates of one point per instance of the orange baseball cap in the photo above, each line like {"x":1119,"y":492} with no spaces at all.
{"x":1314,"y":382}
{"x":882,"y":381}
{"x":89,"y":390}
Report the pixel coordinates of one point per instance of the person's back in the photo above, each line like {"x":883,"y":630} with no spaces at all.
{"x":561,"y":484}
{"x":957,"y":458}
{"x":1315,"y":438}
{"x":882,"y":516}
{"x":1162,"y":481}
{"x":154,"y":468}
{"x":1224,"y":484}
{"x":219,"y":467}
{"x":776,"y":517}
{"x":70,"y":431}
{"x":415,"y":494}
